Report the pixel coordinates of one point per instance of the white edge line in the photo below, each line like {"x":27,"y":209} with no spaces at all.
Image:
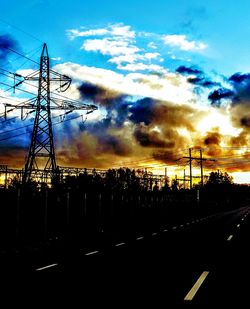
{"x":92,"y":252}
{"x":120,"y":244}
{"x":190,"y":295}
{"x":46,"y":267}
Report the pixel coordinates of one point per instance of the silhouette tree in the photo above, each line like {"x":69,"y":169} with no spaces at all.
{"x":175,"y":185}
{"x":219,"y":178}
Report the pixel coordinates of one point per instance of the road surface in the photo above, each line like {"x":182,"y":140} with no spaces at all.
{"x":200,"y":263}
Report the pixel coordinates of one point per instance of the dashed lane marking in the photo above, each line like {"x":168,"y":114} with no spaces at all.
{"x":230,"y":237}
{"x":46,"y":267}
{"x":92,"y":252}
{"x":190,"y":295}
{"x":139,"y":238}
{"x":120,"y":244}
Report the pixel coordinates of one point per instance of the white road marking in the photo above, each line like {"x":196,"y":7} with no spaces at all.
{"x":92,"y":252}
{"x":242,"y":219}
{"x":46,"y":267}
{"x":230,"y":237}
{"x":181,"y":225}
{"x":153,"y":234}
{"x":174,"y":228}
{"x":190,"y":295}
{"x":238,"y":225}
{"x":165,"y":230}
{"x":139,"y":238}
{"x":187,"y":223}
{"x":120,"y":244}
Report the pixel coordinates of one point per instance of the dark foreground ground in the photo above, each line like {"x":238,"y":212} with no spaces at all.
{"x":153,"y":269}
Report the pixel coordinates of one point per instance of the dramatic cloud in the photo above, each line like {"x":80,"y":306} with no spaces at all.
{"x":241,"y":86}
{"x":196,"y":77}
{"x":124,"y":54}
{"x":165,"y":86}
{"x":146,"y":114}
{"x":239,"y":78}
{"x":113,"y":47}
{"x":145,"y":120}
{"x":132,"y":58}
{"x":189,"y":70}
{"x":129,"y":128}
{"x":119,"y":43}
{"x":134,"y":67}
{"x":6,"y":44}
{"x":14,"y":150}
{"x":217,"y":95}
{"x":152,"y":45}
{"x":113,"y":30}
{"x":180,"y":41}
{"x":238,"y":93}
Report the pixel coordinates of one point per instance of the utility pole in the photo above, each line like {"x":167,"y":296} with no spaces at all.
{"x":190,"y":167}
{"x":201,"y":164}
{"x":42,"y":151}
{"x":184,"y":178}
{"x":166,"y":172}
{"x":200,"y":159}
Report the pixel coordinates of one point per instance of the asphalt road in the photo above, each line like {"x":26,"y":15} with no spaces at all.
{"x":202,"y":263}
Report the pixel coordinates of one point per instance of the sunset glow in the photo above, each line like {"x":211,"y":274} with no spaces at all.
{"x":158,"y":91}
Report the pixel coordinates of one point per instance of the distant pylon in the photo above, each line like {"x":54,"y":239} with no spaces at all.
{"x":42,"y":142}
{"x":41,"y":155}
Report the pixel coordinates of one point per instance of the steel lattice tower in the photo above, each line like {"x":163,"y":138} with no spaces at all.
{"x":42,"y":142}
{"x":41,"y":158}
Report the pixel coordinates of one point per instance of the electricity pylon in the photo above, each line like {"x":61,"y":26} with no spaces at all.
{"x":42,"y":151}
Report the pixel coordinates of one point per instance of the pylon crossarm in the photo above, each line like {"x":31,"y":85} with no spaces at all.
{"x":71,"y":105}
{"x":64,"y":80}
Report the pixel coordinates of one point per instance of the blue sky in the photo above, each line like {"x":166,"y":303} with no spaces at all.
{"x":163,"y":74}
{"x":222,"y":25}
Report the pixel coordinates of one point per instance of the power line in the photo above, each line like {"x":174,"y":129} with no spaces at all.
{"x":25,"y":82}
{"x":9,"y":98}
{"x":21,"y":30}
{"x":10,"y":87}
{"x":16,"y":52}
{"x":33,"y":51}
{"x":56,"y":123}
{"x":16,"y":129}
{"x":29,"y":125}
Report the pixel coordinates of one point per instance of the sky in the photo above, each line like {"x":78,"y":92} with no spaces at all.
{"x":165,"y":75}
